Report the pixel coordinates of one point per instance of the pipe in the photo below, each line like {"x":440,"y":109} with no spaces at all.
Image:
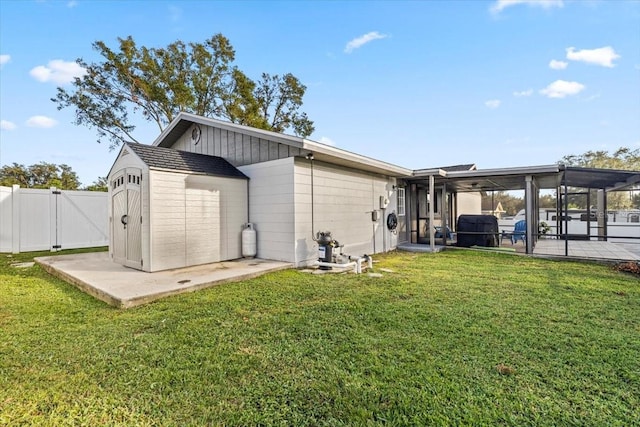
{"x":334,"y":264}
{"x":356,"y":264}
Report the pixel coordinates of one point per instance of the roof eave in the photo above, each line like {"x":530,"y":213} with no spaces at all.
{"x":339,"y":156}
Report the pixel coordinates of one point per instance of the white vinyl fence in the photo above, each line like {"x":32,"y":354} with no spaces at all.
{"x":35,"y":220}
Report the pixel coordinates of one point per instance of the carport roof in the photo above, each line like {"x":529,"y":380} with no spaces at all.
{"x":170,"y":159}
{"x":546,"y":177}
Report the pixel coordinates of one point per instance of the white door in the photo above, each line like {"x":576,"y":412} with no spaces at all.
{"x":126,"y":219}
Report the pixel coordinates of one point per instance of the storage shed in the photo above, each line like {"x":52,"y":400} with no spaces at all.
{"x":171,"y":209}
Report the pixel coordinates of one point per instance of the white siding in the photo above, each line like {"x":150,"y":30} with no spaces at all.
{"x":469,"y":203}
{"x":202,"y":227}
{"x":343,"y":201}
{"x":271,"y":190}
{"x":171,"y":210}
{"x":167,"y":220}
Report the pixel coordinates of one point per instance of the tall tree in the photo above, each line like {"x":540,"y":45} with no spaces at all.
{"x":158,"y":83}
{"x":40,"y":175}
{"x":100,"y":184}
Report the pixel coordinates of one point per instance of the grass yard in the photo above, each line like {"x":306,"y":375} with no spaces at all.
{"x":455,"y":338}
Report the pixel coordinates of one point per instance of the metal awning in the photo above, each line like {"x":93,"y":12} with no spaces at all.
{"x":546,"y":177}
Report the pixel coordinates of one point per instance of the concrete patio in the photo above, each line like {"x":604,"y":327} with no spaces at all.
{"x":123,"y":287}
{"x":579,"y":249}
{"x":587,"y":249}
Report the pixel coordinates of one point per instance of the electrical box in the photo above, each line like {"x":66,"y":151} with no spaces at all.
{"x":375,"y":215}
{"x":384,"y":202}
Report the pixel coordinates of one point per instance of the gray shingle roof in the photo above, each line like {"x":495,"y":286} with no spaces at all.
{"x":456,"y":168}
{"x":168,"y":158}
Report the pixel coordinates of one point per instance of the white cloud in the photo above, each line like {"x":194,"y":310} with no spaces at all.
{"x":7,"y":125}
{"x":58,"y":71}
{"x":327,"y":141}
{"x":72,"y":3}
{"x":362,"y":40}
{"x":603,"y":56}
{"x":562,"y":89}
{"x":4,"y":59}
{"x":493,"y":103}
{"x":558,"y":65}
{"x":527,"y":92}
{"x":41,"y":122}
{"x":499,"y":5}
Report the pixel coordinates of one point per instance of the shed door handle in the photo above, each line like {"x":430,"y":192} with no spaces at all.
{"x":124,"y":219}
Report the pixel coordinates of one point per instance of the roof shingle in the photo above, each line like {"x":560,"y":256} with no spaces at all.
{"x":168,"y":158}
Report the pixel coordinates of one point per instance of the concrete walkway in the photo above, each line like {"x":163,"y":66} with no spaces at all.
{"x":123,"y":287}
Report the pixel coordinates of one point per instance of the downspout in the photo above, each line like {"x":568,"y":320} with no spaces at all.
{"x":313,"y":237}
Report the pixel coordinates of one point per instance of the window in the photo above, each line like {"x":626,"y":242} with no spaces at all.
{"x":401,"y":202}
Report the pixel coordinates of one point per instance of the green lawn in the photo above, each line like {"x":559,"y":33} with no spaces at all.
{"x":459,"y":337}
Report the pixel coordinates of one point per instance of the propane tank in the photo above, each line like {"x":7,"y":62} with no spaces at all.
{"x":325,"y":247}
{"x":249,"y":238}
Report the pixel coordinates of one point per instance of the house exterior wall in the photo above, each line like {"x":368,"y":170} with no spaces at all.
{"x":173,"y":198}
{"x":343,"y":201}
{"x":281,"y":202}
{"x":469,"y":204}
{"x":271,"y":207}
{"x":237,"y":148}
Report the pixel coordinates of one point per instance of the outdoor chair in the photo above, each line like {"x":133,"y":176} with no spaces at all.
{"x":519,"y":232}
{"x":438,"y":233}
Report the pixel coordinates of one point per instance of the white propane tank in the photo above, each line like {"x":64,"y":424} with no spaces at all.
{"x":249,"y":238}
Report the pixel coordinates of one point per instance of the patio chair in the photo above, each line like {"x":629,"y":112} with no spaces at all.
{"x":438,"y":233}
{"x":519,"y":232}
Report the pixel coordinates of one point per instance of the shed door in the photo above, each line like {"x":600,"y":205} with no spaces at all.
{"x":126,"y":219}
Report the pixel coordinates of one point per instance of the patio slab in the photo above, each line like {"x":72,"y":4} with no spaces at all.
{"x":585,"y":249}
{"x":124,"y":287}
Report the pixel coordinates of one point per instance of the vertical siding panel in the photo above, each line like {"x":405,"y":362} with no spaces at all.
{"x":273,"y":150}
{"x":283,"y":151}
{"x":264,"y":150}
{"x":238,"y":157}
{"x":216,"y":141}
{"x":197,"y":148}
{"x":246,"y":150}
{"x":255,"y":149}
{"x":208,"y":135}
{"x":224,"y":138}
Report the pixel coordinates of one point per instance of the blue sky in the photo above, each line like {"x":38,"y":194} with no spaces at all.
{"x":417,"y":84}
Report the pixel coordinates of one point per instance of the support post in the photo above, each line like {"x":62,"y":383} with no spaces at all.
{"x":601,"y":209}
{"x":432,"y":236}
{"x":529,"y":213}
{"x":445,"y":213}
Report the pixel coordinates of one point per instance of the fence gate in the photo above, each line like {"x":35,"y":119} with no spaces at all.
{"x":126,"y":218}
{"x":49,"y":219}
